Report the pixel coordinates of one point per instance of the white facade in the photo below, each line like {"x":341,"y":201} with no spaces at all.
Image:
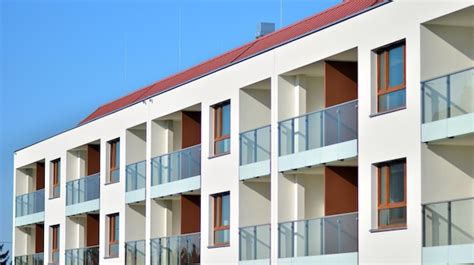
{"x":279,"y":84}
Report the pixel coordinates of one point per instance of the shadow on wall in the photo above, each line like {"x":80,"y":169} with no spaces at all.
{"x":458,"y":156}
{"x":460,"y":38}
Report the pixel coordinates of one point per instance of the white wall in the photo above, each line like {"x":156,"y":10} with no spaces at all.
{"x":136,"y":145}
{"x":134,"y":222}
{"x":254,"y":108}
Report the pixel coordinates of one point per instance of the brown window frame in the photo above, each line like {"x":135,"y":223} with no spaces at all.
{"x":218,"y":121}
{"x":217,"y":226}
{"x":114,"y":155}
{"x":387,"y":205}
{"x":112,"y":235}
{"x":385,"y":53}
{"x":55,"y":166}
{"x":54,"y":242}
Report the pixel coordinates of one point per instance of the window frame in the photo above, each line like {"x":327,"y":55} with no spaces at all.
{"x":218,"y":128}
{"x":384,"y":51}
{"x":387,"y":205}
{"x":217,"y":224}
{"x":112,"y":236}
{"x":55,"y":177}
{"x":113,"y":157}
{"x":54,"y":242}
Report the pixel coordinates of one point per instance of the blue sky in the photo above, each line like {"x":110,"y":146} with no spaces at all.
{"x":60,"y":60}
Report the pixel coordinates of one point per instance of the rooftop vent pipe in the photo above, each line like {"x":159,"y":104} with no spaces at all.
{"x":264,"y":28}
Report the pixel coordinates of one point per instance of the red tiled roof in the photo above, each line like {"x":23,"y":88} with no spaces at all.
{"x":298,"y":29}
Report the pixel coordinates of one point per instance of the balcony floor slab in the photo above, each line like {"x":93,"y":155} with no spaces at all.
{"x":176,"y":187}
{"x":454,"y":254}
{"x":340,"y":259}
{"x":135,"y":196}
{"x":29,"y":219}
{"x":318,"y":156}
{"x":254,"y":170}
{"x":255,"y":262}
{"x":83,"y":207}
{"x":446,"y":128}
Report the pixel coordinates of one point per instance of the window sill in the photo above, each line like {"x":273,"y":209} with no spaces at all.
{"x":56,"y":197}
{"x":387,"y":229}
{"x":219,"y":155}
{"x":219,"y":246}
{"x":110,"y":183}
{"x":111,"y":257}
{"x":386,"y":112}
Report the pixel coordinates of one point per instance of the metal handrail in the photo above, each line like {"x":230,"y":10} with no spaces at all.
{"x":83,"y":178}
{"x":321,"y":110}
{"x":256,"y":129}
{"x":177,"y":151}
{"x":324,"y":217}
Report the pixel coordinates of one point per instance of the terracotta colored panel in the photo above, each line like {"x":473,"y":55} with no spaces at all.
{"x":39,"y":175}
{"x":39,"y":238}
{"x":191,"y":129}
{"x":190,"y":214}
{"x":92,"y":230}
{"x":340,"y":190}
{"x":340,"y":82}
{"x":93,"y":159}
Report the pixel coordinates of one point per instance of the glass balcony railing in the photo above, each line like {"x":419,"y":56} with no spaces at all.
{"x":33,"y":259}
{"x":448,"y":96}
{"x":177,"y":250}
{"x":83,"y":256}
{"x":328,"y":235}
{"x":135,"y":252}
{"x":135,"y":176}
{"x":329,"y":126}
{"x":254,"y":242}
{"x":83,"y":189}
{"x":175,"y":166}
{"x":255,"y":145}
{"x":448,"y":223}
{"x":30,"y":203}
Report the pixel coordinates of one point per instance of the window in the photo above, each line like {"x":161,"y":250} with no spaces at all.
{"x":55,"y":178}
{"x":54,"y":234}
{"x":392,"y":199}
{"x":221,"y":218}
{"x":113,"y":243}
{"x":114,"y":163}
{"x":391,"y":77}
{"x":222,"y":128}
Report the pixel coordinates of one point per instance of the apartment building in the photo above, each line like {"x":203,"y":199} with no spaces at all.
{"x":345,"y":138}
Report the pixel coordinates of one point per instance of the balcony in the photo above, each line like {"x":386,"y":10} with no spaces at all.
{"x":33,"y":259}
{"x":319,"y":137}
{"x":135,"y":252}
{"x":30,"y":208}
{"x":448,"y":106}
{"x":176,"y":172}
{"x":255,"y":153}
{"x":135,"y":182}
{"x":82,"y":195}
{"x":179,"y":250}
{"x":327,"y":240}
{"x":82,"y":256}
{"x":254,"y":244}
{"x":448,"y":232}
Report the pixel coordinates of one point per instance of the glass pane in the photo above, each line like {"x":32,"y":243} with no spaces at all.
{"x":462,"y":222}
{"x":397,"y":182}
{"x":392,"y":100}
{"x":263,"y":241}
{"x":226,"y":119}
{"x":222,"y":146}
{"x":300,"y":238}
{"x":348,"y":235}
{"x":382,"y":71}
{"x":383,"y":185}
{"x":462,"y":93}
{"x":117,"y":154}
{"x":435,"y":99}
{"x":393,"y":216}
{"x":315,"y":237}
{"x":247,"y":148}
{"x":315,"y":130}
{"x":263,"y":144}
{"x":247,"y":243}
{"x":286,"y":138}
{"x":225,"y":210}
{"x":221,"y":236}
{"x":396,"y":66}
{"x":285,"y":237}
{"x":436,"y":225}
{"x":301,"y":134}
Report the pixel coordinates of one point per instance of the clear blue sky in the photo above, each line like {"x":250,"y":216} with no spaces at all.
{"x":62,"y":59}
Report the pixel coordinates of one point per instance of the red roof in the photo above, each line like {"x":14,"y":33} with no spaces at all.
{"x":316,"y":22}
